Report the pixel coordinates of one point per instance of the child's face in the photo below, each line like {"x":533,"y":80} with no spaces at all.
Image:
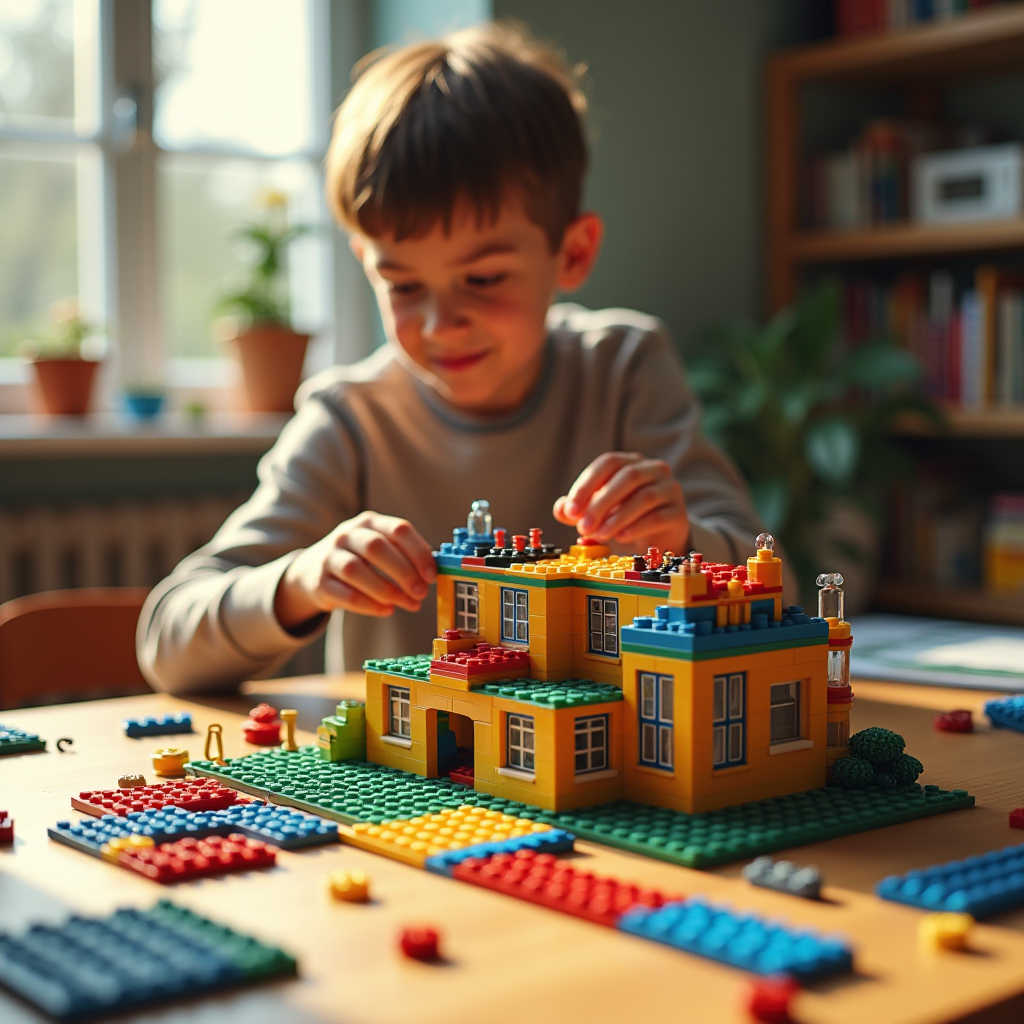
{"x":467,"y":308}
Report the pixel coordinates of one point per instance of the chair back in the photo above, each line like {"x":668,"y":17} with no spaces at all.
{"x":68,"y":645}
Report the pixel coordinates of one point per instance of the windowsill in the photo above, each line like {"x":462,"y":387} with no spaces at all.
{"x":397,"y":741}
{"x":32,"y":435}
{"x":790,"y":746}
{"x":659,"y":773}
{"x":607,"y":773}
{"x":730,"y":769}
{"x":516,"y":773}
{"x":603,"y":659}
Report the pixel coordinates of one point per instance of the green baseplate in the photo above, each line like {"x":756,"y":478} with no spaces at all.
{"x":353,"y":791}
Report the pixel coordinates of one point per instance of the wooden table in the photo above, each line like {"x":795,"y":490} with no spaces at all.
{"x":508,"y":961}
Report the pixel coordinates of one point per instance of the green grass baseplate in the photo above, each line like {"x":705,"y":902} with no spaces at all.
{"x":351,"y":791}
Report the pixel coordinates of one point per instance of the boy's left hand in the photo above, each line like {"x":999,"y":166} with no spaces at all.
{"x":626,"y":498}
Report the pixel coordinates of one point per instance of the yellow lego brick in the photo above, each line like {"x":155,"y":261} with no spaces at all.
{"x":550,"y":625}
{"x":414,"y":840}
{"x":480,"y":710}
{"x":546,"y":646}
{"x":482,"y":739}
{"x":445,"y":603}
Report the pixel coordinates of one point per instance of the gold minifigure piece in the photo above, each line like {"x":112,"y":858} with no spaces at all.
{"x":214,"y":739}
{"x":288,"y":716}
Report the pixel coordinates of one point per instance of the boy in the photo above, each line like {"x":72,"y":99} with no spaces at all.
{"x":457,"y":167}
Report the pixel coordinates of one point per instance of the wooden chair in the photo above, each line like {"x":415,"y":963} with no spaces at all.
{"x":68,"y":645}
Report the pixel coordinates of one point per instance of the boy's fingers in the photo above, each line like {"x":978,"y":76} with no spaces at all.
{"x":558,"y":511}
{"x":388,"y":559}
{"x":599,"y":472}
{"x":340,"y":595}
{"x":413,"y":546}
{"x":627,"y":481}
{"x":649,"y":525}
{"x":637,"y":505}
{"x":353,"y":569}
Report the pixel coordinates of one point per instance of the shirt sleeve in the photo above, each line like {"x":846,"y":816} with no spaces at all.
{"x":660,"y":418}
{"x":211,"y":623}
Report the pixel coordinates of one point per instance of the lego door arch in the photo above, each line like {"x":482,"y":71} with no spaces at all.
{"x":455,"y":748}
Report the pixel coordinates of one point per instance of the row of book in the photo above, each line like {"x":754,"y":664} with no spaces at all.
{"x":869,"y":181}
{"x":845,"y":18}
{"x":969,"y":335}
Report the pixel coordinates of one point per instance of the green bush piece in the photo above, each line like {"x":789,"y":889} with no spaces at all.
{"x":853,"y":773}
{"x":905,"y":769}
{"x":879,"y":746}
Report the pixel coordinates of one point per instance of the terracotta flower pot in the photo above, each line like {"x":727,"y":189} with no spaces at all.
{"x":65,"y":385}
{"x":271,"y":358}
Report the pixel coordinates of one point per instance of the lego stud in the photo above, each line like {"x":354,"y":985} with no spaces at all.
{"x":349,"y":886}
{"x":765,"y":542}
{"x":419,"y":943}
{"x":288,"y":716}
{"x":214,"y":741}
{"x":169,"y":762}
{"x":945,"y":931}
{"x":479,"y":520}
{"x":769,"y":1000}
{"x":535,"y":537}
{"x":519,"y":541}
{"x":653,"y":558}
{"x":130,"y":781}
{"x":499,"y":538}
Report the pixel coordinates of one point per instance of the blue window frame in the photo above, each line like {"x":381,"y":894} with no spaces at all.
{"x":515,"y":615}
{"x":604,"y":626}
{"x":591,"y":747}
{"x":729,"y":742}
{"x":657,"y":718}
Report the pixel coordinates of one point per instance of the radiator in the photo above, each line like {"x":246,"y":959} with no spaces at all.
{"x":116,"y":544}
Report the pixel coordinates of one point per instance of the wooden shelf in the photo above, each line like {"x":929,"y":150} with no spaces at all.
{"x":898,"y":240}
{"x":981,"y":423}
{"x":982,"y":43}
{"x":910,"y":598}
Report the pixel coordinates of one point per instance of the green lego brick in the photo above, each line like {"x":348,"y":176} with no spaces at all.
{"x":569,"y":693}
{"x":351,"y":791}
{"x":342,"y":737}
{"x":412,"y":666}
{"x":16,"y":741}
{"x":748,"y":830}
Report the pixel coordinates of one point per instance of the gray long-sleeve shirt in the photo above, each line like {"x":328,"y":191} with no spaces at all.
{"x":371,"y":436}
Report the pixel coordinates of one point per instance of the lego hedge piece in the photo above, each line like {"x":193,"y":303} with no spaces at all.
{"x":877,"y":759}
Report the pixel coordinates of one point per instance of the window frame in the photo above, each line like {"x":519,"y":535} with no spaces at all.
{"x":792,"y":700}
{"x":526,"y":726}
{"x":598,"y":640}
{"x":399,"y":699}
{"x":471,"y":592}
{"x":656,"y":712}
{"x":592,"y":724}
{"x":519,"y":602}
{"x":729,"y":720}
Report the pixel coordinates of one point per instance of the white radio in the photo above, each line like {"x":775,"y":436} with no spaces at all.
{"x":982,"y":183}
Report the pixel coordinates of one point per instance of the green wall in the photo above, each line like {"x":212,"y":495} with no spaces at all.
{"x":676,"y":127}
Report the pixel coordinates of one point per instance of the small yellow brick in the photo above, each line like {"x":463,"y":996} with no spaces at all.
{"x":350,"y":886}
{"x":945,"y":931}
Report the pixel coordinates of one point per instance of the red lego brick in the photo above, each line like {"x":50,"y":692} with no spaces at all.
{"x":263,"y":728}
{"x":6,"y":829}
{"x":186,"y":859}
{"x":189,"y":794}
{"x":1017,"y":817}
{"x":955,"y":721}
{"x":482,"y":660}
{"x":463,"y":776}
{"x":769,"y":1000}
{"x":542,"y":878}
{"x":419,"y":943}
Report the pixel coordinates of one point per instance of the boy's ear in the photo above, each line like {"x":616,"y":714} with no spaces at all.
{"x":580,"y":247}
{"x":355,"y":243}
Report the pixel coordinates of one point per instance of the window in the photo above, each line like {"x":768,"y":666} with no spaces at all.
{"x":837,"y":734}
{"x":591,"y":744}
{"x":656,"y":719}
{"x":520,"y":742}
{"x":729,"y":738}
{"x":604,"y":626}
{"x":515,"y":615}
{"x":467,"y":607}
{"x":785,"y":712}
{"x":399,"y":712}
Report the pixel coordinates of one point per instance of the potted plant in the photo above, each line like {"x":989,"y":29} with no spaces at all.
{"x":809,"y":422}
{"x":64,"y":373}
{"x":270,"y":352}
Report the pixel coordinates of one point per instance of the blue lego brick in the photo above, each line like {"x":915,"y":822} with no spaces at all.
{"x":696,"y":638}
{"x":158,"y":725}
{"x":555,"y":841}
{"x":982,"y":886}
{"x":17,"y":741}
{"x":1006,"y":712}
{"x":784,"y":876}
{"x":740,"y":939}
{"x":281,"y":826}
{"x":89,"y":967}
{"x":449,"y":560}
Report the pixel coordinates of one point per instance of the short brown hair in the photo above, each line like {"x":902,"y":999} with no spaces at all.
{"x":469,"y":116}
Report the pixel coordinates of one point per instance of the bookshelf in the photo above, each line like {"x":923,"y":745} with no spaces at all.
{"x":913,"y":66}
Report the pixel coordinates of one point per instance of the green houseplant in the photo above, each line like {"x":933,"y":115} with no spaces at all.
{"x":809,"y":422}
{"x":64,"y":372}
{"x":270,"y":352}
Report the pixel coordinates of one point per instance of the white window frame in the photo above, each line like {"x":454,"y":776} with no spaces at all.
{"x":656,"y":708}
{"x":521,"y":754}
{"x":780,"y":700}
{"x":515,"y":615}
{"x":467,"y":606}
{"x":400,"y":712}
{"x":729,"y":720}
{"x":603,"y":626}
{"x":590,"y":735}
{"x":117,"y":231}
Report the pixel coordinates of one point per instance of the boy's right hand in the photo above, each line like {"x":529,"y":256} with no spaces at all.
{"x":371,"y":564}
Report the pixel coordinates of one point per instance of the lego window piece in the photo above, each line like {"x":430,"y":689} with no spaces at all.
{"x":467,"y":607}
{"x":785,"y":720}
{"x":521,"y":745}
{"x":656,"y":721}
{"x":591,"y":744}
{"x":400,"y":712}
{"x":729,"y":738}
{"x":515,"y":615}
{"x":604,"y":626}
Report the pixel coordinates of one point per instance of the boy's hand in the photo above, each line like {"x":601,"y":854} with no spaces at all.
{"x":623,"y":497}
{"x":371,"y":564}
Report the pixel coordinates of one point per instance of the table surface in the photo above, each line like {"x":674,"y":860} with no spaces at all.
{"x":507,"y":960}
